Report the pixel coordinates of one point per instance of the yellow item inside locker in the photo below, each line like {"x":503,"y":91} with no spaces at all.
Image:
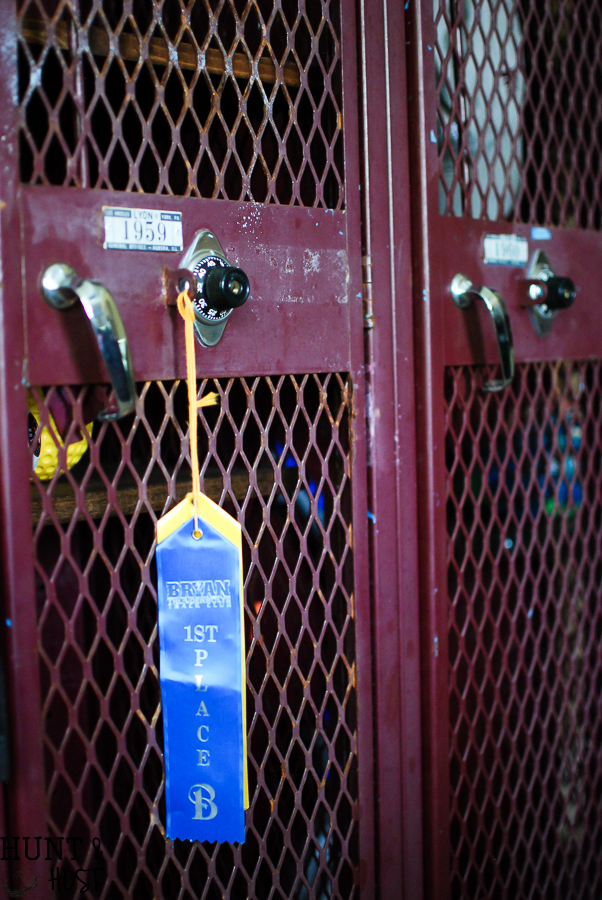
{"x":49,"y":451}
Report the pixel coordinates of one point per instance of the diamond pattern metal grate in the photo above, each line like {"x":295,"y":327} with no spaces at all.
{"x":524,"y":510}
{"x":519,"y":128}
{"x":231,"y":99}
{"x":275,"y":453}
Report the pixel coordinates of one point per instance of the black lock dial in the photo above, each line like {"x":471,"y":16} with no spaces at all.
{"x":560,"y":292}
{"x":220,"y":288}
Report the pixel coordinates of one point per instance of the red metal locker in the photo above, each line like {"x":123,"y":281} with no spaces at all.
{"x":505,"y":101}
{"x":243,"y":117}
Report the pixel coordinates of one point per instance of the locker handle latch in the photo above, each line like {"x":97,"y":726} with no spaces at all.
{"x":61,"y":288}
{"x":463,"y":291}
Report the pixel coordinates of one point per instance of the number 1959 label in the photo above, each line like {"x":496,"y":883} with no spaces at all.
{"x":141,"y":229}
{"x":505,"y":250}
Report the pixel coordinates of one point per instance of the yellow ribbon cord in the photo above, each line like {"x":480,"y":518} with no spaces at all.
{"x":186,"y":310}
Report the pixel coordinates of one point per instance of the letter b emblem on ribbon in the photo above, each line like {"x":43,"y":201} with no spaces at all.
{"x":203,"y":795}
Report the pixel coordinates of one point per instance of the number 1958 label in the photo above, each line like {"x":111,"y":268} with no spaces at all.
{"x":141,"y":229}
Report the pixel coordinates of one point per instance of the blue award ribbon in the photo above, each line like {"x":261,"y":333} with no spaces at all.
{"x":201,"y":637}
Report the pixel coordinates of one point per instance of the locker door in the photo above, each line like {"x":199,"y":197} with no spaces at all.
{"x":505,"y":101}
{"x":231,"y":114}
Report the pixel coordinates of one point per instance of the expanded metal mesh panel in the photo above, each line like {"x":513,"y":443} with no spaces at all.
{"x":519,"y":125}
{"x":276,"y":454}
{"x":233,"y":99}
{"x":524,"y":510}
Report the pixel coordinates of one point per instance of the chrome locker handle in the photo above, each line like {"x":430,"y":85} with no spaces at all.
{"x":61,"y":288}
{"x":463,"y":292}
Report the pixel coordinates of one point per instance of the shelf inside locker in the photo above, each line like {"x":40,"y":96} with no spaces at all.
{"x":160,"y":52}
{"x":94,"y":496}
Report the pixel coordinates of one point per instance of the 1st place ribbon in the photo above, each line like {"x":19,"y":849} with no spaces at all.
{"x":201,"y":636}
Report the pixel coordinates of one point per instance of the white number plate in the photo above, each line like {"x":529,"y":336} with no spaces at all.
{"x":505,"y":250}
{"x":141,"y":229}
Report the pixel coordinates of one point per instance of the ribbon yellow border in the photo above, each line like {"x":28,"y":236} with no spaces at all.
{"x":209,"y":511}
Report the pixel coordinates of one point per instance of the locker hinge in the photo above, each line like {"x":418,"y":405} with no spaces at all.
{"x":367,"y":292}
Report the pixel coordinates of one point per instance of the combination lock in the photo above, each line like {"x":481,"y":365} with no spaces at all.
{"x":544,"y":293}
{"x":220,"y":287}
